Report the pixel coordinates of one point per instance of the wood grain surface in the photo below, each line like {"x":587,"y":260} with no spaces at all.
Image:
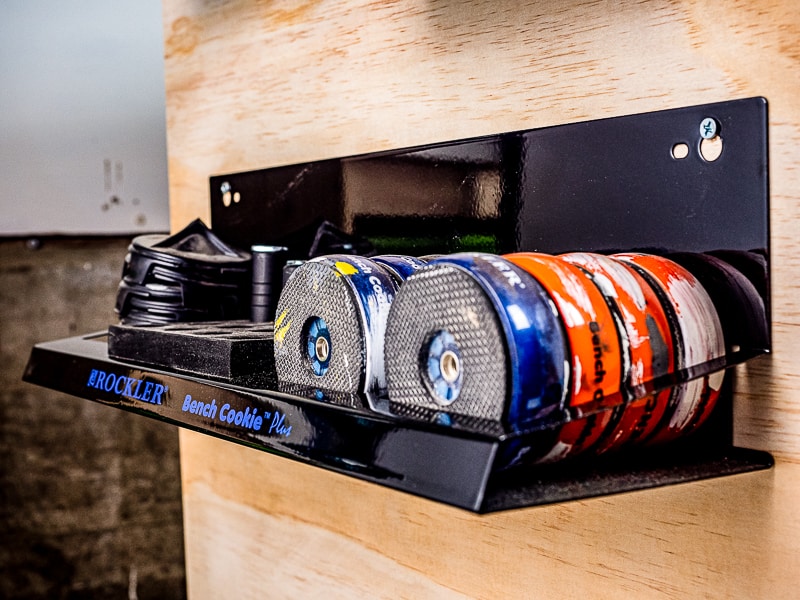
{"x":252,"y":84}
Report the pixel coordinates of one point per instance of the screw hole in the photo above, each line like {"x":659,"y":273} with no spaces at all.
{"x":322,"y":349}
{"x":711,"y":149}
{"x":450,"y":366}
{"x":680,"y":151}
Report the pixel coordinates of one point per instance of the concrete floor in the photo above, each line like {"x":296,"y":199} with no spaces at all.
{"x":90,"y":503}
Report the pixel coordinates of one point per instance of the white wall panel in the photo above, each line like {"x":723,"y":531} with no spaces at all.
{"x":82,"y":125}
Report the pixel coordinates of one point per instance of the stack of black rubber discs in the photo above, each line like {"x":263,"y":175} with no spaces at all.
{"x":189,"y":276}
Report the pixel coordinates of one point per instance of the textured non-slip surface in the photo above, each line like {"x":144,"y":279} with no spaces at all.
{"x":232,"y":350}
{"x":317,"y":290}
{"x":444,"y":298}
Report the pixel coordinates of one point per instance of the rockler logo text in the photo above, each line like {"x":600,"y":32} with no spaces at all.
{"x":127,"y":387}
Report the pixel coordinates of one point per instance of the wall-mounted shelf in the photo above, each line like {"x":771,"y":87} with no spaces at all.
{"x":436,"y":462}
{"x":609,"y":185}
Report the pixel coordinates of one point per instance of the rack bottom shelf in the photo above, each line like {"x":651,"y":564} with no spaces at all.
{"x":434,"y":462}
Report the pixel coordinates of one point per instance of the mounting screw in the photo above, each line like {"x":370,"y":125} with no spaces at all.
{"x":225,"y":188}
{"x":708,"y":128}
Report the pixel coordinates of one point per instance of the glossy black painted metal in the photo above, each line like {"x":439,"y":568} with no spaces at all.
{"x":440,"y":463}
{"x":602,"y":186}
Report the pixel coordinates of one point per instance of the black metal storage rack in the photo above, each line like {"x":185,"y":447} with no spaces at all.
{"x":610,"y":185}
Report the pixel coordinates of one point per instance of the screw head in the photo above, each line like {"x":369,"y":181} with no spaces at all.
{"x":225,"y":187}
{"x":708,"y":128}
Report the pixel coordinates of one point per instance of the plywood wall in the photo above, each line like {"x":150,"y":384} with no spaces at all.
{"x":252,"y":84}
